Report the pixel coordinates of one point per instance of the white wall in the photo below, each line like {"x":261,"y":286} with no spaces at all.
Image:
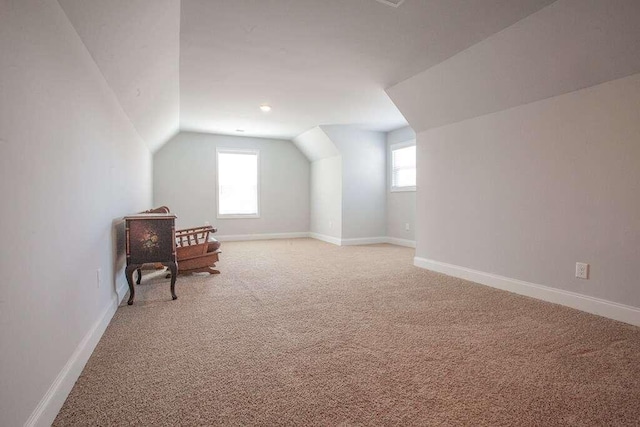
{"x":184,"y":178}
{"x":401,"y":205}
{"x":363,"y":180}
{"x":527,"y":192}
{"x":326,"y":197}
{"x":518,"y":176}
{"x":70,"y":163}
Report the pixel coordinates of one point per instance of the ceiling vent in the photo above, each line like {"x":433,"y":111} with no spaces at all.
{"x":392,"y":3}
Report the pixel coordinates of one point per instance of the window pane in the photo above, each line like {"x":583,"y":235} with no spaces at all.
{"x":406,"y":178}
{"x":237,"y":183}
{"x":404,"y":167}
{"x":404,"y":157}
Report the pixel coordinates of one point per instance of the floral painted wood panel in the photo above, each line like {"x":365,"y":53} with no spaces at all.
{"x":150,"y":240}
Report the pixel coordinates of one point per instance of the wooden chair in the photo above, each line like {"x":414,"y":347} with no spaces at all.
{"x":196,"y":251}
{"x":161,"y":209}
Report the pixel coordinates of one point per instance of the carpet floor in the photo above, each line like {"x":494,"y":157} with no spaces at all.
{"x":300,"y":332}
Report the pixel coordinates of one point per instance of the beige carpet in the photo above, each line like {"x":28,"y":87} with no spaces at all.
{"x":300,"y":332}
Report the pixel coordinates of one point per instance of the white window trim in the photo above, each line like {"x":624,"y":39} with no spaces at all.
{"x":236,"y":151}
{"x":393,"y":147}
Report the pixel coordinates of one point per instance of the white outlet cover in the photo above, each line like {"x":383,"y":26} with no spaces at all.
{"x":393,"y":3}
{"x":582,"y":270}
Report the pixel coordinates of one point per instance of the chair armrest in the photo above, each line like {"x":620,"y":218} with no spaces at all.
{"x":191,"y":237}
{"x":161,"y":209}
{"x":209,"y":228}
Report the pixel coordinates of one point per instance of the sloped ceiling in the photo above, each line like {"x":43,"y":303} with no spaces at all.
{"x":207,"y":65}
{"x":570,"y":45}
{"x":315,"y":144}
{"x":136,"y":45}
{"x":318,"y":61}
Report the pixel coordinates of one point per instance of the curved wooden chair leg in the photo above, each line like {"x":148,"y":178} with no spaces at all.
{"x":139,"y":276}
{"x":174,"y":273}
{"x":129,"y":274}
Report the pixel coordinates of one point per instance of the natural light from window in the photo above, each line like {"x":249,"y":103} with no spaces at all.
{"x":403,"y":167}
{"x":238,"y":183}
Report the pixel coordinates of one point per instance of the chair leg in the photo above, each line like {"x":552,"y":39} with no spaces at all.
{"x":196,"y":270}
{"x":128,"y":271}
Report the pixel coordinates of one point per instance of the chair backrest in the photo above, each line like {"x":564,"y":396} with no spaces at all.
{"x":161,"y":209}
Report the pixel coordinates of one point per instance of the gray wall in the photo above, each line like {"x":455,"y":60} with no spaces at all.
{"x":184,"y":178}
{"x":527,"y":192}
{"x":70,"y":164}
{"x":326,"y":197}
{"x":525,"y":166}
{"x":363,"y":184}
{"x":401,"y":205}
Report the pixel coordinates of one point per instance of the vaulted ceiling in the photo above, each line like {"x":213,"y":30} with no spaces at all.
{"x":207,"y":65}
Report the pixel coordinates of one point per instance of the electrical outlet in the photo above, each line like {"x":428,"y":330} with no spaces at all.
{"x":582,"y":270}
{"x":206,"y":223}
{"x":406,"y":226}
{"x":98,"y":276}
{"x":330,"y":224}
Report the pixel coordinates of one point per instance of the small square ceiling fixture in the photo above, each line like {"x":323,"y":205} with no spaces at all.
{"x":392,"y":3}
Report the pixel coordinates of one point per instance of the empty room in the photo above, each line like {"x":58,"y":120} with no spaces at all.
{"x":320,"y":212}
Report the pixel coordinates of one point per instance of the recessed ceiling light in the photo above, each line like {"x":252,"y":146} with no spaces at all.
{"x":239,"y":130}
{"x":266,"y":108}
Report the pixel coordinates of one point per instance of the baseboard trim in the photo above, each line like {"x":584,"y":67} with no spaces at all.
{"x":364,"y":241}
{"x":271,"y":236}
{"x":401,"y":242}
{"x":122,"y":291}
{"x":600,"y":307}
{"x":323,"y":237}
{"x":329,"y":239}
{"x":45,"y":413}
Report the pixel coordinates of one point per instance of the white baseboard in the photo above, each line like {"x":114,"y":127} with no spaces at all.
{"x":122,"y":290}
{"x":329,"y":239}
{"x":401,"y":242}
{"x":243,"y":237}
{"x":609,"y":309}
{"x":364,"y":241}
{"x":50,"y":404}
{"x":323,"y":237}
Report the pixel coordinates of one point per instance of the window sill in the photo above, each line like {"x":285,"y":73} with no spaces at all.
{"x":238,"y":216}
{"x":402,"y":189}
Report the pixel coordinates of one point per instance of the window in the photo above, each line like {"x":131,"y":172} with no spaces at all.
{"x":403,"y":166}
{"x":238,"y":186}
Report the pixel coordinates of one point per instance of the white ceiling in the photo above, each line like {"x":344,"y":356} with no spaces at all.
{"x":570,"y":45}
{"x":318,"y":61}
{"x":315,"y":61}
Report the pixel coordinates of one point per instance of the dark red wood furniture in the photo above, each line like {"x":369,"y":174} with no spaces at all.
{"x":150,"y":238}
